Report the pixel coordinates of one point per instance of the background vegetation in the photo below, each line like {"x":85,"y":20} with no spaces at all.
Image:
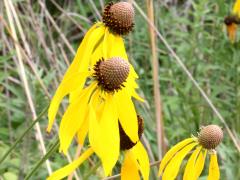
{"x":53,"y":30}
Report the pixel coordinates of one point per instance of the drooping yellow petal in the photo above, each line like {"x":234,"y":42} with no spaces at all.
{"x":65,"y":171}
{"x":214,"y":173}
{"x":141,"y":156}
{"x":82,"y":58}
{"x":127,"y":114}
{"x":82,"y":132}
{"x":168,"y":156}
{"x":81,"y":61}
{"x":129,"y":168}
{"x":200,"y":163}
{"x":110,"y":135}
{"x":117,"y":46}
{"x":104,"y":135}
{"x":106,"y":44}
{"x":236,"y":8}
{"x":189,"y":173}
{"x":67,"y":85}
{"x":173,"y":166}
{"x":74,"y":117}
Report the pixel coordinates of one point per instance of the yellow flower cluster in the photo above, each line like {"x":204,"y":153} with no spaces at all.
{"x":101,"y":83}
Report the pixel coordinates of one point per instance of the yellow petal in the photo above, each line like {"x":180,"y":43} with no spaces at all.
{"x":107,"y":43}
{"x":214,"y":173}
{"x":117,"y":46}
{"x":65,"y":171}
{"x":129,"y":168}
{"x":82,"y":132}
{"x":104,"y":135}
{"x":173,"y":166}
{"x":74,"y":117}
{"x":82,"y":57}
{"x":236,"y":8}
{"x":141,"y":157}
{"x":67,"y":85}
{"x":200,"y":163}
{"x":189,"y":173}
{"x":127,"y":115}
{"x":168,"y":156}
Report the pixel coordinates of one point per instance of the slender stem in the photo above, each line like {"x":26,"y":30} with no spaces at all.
{"x":52,"y":149}
{"x":23,"y":135}
{"x":156,"y":85}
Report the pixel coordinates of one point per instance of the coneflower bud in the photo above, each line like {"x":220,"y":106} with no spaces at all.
{"x":125,"y":142}
{"x":119,"y":17}
{"x":112,"y":73}
{"x":210,"y":136}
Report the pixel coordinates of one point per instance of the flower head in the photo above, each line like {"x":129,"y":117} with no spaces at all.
{"x":208,"y":139}
{"x":119,"y":17}
{"x":136,"y":158}
{"x":232,"y":21}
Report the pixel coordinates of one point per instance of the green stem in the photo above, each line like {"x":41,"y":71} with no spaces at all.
{"x":52,"y":149}
{"x":23,"y":135}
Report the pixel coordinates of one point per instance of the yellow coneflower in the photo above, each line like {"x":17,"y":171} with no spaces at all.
{"x":136,"y":158}
{"x":98,"y":107}
{"x":232,"y":21}
{"x":102,"y":40}
{"x":208,"y":139}
{"x":97,"y":104}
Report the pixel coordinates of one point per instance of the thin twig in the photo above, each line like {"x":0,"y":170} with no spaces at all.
{"x":184,"y":68}
{"x":156,"y":86}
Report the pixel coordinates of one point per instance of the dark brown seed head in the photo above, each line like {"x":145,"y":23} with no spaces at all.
{"x":112,"y":73}
{"x":228,"y":20}
{"x":119,"y":17}
{"x":210,"y":136}
{"x":125,"y":142}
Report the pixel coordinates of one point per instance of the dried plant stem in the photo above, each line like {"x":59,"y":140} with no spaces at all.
{"x":156,"y":86}
{"x":184,"y":68}
{"x":23,"y":76}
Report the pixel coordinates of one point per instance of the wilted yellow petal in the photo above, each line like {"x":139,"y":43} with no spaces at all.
{"x":189,"y":173}
{"x":65,"y":171}
{"x":168,"y":156}
{"x":66,"y":86}
{"x":214,"y":173}
{"x":127,"y":115}
{"x":141,"y":156}
{"x":73,"y":118}
{"x":173,"y":166}
{"x":200,"y":163}
{"x":236,"y":8}
{"x":129,"y":168}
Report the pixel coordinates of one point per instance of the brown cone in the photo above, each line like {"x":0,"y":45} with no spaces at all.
{"x":119,"y":17}
{"x":112,"y":73}
{"x":210,"y":136}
